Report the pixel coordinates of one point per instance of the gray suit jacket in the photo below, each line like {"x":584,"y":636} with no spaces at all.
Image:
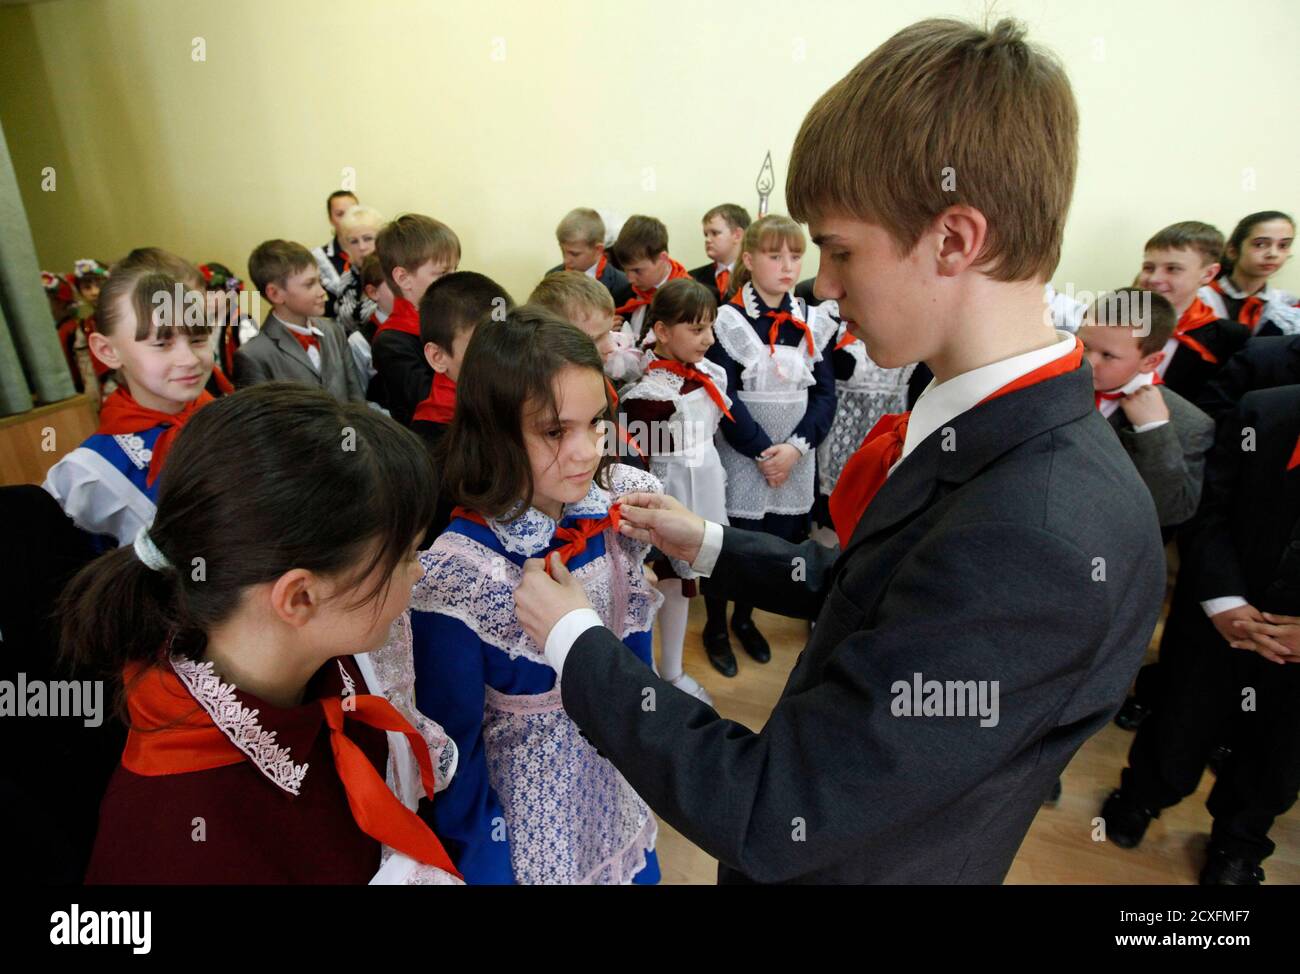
{"x":1028,"y":555}
{"x":1171,"y":458}
{"x":276,"y":354}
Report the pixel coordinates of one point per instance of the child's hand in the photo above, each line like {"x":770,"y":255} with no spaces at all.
{"x":542,"y":600}
{"x":1145,"y":406}
{"x":1276,"y":637}
{"x":776,"y":462}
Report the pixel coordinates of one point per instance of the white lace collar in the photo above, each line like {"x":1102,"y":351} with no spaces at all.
{"x":531,"y":533}
{"x":754,"y":306}
{"x":240,"y":723}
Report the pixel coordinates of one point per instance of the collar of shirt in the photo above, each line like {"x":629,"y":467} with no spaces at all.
{"x":591,"y":271}
{"x":380,"y":316}
{"x":1230,"y":288}
{"x":719,"y":268}
{"x":310,"y":329}
{"x":940,"y":404}
{"x":1108,"y":406}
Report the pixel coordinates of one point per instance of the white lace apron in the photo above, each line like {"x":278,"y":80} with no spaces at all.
{"x":774,"y":388}
{"x":571,"y":817}
{"x":860,"y":400}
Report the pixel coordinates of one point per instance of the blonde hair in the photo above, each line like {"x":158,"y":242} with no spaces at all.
{"x":947,"y":113}
{"x":766,"y":235}
{"x":1194,"y":235}
{"x":581,"y":225}
{"x":361,"y":216}
{"x":572,"y":294}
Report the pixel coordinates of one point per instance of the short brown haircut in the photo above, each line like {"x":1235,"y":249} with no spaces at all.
{"x":372,"y":272}
{"x":642,"y":238}
{"x":684,"y":300}
{"x":139,"y":282}
{"x":1133,"y":307}
{"x":572,"y":294}
{"x":582,"y":225}
{"x":458,"y":302}
{"x":734,"y":215}
{"x":338,"y":194}
{"x":411,"y":240}
{"x":273,"y":261}
{"x":1190,"y":235}
{"x":945,"y":113}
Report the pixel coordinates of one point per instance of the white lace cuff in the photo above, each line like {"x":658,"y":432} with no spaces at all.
{"x":800,"y":444}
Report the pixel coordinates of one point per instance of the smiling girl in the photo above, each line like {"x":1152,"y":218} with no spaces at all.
{"x":153,"y":331}
{"x":532,"y":801}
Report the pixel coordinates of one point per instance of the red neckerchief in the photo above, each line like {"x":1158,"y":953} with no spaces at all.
{"x":778,"y":319}
{"x":1250,"y":310}
{"x":691,"y":372}
{"x":440,"y":405}
{"x":600,"y":266}
{"x":866,"y":471}
{"x":622,"y":430}
{"x":1099,"y":397}
{"x":223,"y":384}
{"x":121,"y":414}
{"x":848,"y":339}
{"x":307,"y":341}
{"x":405,"y":318}
{"x":721,"y":279}
{"x":575,"y":539}
{"x":1295,"y":457}
{"x":170,"y":734}
{"x":645,"y":297}
{"x":1197,"y":314}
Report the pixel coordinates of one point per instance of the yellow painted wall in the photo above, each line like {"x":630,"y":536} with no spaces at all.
{"x":497,"y":117}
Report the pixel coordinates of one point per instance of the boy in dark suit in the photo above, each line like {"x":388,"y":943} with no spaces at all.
{"x":1232,"y":633}
{"x":642,"y":249}
{"x":1265,"y":362}
{"x":1124,"y":334}
{"x":581,"y":236}
{"x":414,"y":251}
{"x":965,"y":557}
{"x":724,"y":232}
{"x":1176,"y":262}
{"x":295,"y":342}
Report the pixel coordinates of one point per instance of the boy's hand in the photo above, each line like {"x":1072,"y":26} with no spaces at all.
{"x":664,"y":522}
{"x":776,"y":462}
{"x":542,"y":600}
{"x":1146,"y":405}
{"x":1276,"y":637}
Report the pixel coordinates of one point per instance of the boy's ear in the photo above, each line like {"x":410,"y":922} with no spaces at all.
{"x":435,"y":356}
{"x":401,"y":277}
{"x":274,"y":293}
{"x":296,"y":596}
{"x":962,"y":231}
{"x":104,"y":350}
{"x":1210,"y":272}
{"x":1151,"y":362}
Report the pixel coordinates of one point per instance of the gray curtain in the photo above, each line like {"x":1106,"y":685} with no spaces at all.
{"x":33,"y":370}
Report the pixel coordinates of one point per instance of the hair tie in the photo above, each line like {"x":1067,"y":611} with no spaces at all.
{"x":148,"y":552}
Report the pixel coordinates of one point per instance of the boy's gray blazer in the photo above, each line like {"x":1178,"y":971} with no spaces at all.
{"x":1171,"y":458}
{"x":276,"y":354}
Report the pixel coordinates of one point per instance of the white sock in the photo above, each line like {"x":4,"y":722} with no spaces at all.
{"x":672,"y":628}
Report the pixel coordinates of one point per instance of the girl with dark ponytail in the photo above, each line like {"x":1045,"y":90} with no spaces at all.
{"x":1258,"y":248}
{"x":258,"y":631}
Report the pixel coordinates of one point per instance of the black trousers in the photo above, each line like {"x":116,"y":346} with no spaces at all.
{"x":1211,"y":694}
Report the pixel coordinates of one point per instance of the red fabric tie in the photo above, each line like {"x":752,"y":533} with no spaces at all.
{"x":645,"y":297}
{"x":575,"y":539}
{"x":1099,"y":397}
{"x":405,"y":318}
{"x":866,"y":471}
{"x":690,"y":372}
{"x":600,"y":266}
{"x":1197,"y":314}
{"x":307,"y":342}
{"x":722,"y":279}
{"x":121,"y":414}
{"x":1295,"y":457}
{"x":848,"y":339}
{"x":440,"y":405}
{"x":1250,"y":310}
{"x":778,"y":319}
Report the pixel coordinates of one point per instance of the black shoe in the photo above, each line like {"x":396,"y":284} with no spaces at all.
{"x":718,"y":648}
{"x":752,"y":640}
{"x":1126,"y":822}
{"x":1132,"y":714}
{"x":1218,"y":757}
{"x":1054,"y":798}
{"x":1222,"y":869}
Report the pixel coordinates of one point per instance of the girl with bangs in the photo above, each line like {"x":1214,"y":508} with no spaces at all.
{"x":525,"y":460}
{"x":152,"y":331}
{"x":776,"y":354}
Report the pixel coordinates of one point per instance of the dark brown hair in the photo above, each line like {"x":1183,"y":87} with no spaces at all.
{"x":1133,"y":307}
{"x":641,"y":238}
{"x":682,"y":300}
{"x":152,"y":286}
{"x":329,"y":203}
{"x":508,"y":368}
{"x":1242,"y":230}
{"x":274,"y":261}
{"x":733,"y":214}
{"x":335,"y":488}
{"x":946,"y":113}
{"x":457,"y":303}
{"x":372,"y":272}
{"x":1203,"y":238}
